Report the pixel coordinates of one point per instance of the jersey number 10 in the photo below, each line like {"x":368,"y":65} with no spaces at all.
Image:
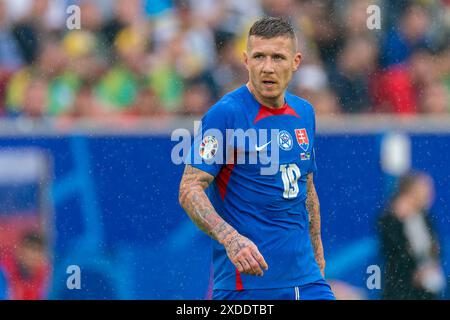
{"x":290,"y":173}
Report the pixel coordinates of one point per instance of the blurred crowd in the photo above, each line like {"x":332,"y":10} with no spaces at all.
{"x":156,"y":58}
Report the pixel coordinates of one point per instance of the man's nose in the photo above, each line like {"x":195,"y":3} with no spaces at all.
{"x":268,"y":65}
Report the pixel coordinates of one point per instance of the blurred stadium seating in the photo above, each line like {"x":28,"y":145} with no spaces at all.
{"x":150,"y":58}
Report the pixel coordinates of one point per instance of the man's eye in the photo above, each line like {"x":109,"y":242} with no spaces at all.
{"x":259,"y":56}
{"x":277,"y":57}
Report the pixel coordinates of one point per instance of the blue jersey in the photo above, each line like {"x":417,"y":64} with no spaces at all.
{"x":268,"y":209}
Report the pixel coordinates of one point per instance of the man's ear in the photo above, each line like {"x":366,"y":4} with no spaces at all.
{"x":297,"y":61}
{"x":245,"y":54}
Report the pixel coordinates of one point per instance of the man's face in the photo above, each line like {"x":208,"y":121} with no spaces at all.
{"x":422,"y":192}
{"x":270,"y":63}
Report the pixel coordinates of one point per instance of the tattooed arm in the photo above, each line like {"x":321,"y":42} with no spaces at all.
{"x":242,"y":252}
{"x":313,"y":207}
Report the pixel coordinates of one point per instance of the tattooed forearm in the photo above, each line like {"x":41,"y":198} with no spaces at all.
{"x":194,"y":201}
{"x":242,"y":252}
{"x":313,"y":207}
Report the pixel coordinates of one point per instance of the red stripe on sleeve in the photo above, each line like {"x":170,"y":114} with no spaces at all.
{"x":223,"y":178}
{"x":239,"y":285}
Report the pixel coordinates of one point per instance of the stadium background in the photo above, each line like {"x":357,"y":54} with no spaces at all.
{"x":87,"y":116}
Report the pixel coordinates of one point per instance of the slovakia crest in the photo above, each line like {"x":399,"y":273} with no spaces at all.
{"x":302,"y":138}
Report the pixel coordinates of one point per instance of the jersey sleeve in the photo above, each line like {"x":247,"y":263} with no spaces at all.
{"x":208,"y":151}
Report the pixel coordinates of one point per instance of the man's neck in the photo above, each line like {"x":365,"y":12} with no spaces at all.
{"x":274,"y":103}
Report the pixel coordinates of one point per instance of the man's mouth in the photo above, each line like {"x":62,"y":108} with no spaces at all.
{"x":269,"y":82}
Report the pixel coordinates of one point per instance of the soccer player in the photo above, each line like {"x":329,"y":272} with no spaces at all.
{"x":267,"y":227}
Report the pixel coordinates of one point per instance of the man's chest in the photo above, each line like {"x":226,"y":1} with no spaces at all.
{"x":278,"y":140}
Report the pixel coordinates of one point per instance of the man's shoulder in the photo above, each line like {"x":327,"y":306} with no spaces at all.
{"x":297,"y":102}
{"x":234,"y":97}
{"x":230,"y":102}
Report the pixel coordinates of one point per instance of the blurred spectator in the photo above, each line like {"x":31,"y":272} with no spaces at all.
{"x":355,"y":65}
{"x":326,"y":31}
{"x":279,"y":8}
{"x":31,"y":30}
{"x":92,"y":37}
{"x":84,"y":55}
{"x":196,"y":98}
{"x":409,"y":244}
{"x":164,"y":77}
{"x":35,"y":104}
{"x":92,"y":17}
{"x":409,"y":35}
{"x":392,"y":10}
{"x":51,"y":13}
{"x":197,"y":42}
{"x":85,"y":106}
{"x":230,"y":17}
{"x":35,"y":101}
{"x":399,"y":88}
{"x":27,"y":269}
{"x":127,"y":13}
{"x":355,"y":19}
{"x":435,"y":99}
{"x":443,"y":63}
{"x":120,"y":85}
{"x":51,"y":66}
{"x":146,"y":105}
{"x":10,"y":56}
{"x":229,"y":72}
{"x":325,"y":102}
{"x":312,"y":85}
{"x":4,"y":80}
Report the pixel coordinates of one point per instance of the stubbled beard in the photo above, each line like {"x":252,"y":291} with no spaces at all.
{"x":271,"y":94}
